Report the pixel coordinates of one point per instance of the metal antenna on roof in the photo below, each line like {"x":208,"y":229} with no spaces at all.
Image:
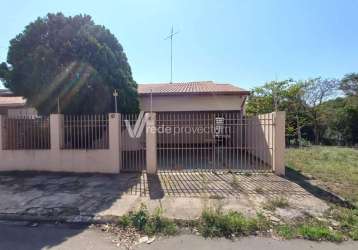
{"x":172,"y":33}
{"x":151,"y":101}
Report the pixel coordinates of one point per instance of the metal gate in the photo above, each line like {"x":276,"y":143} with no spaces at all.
{"x":214,"y":141}
{"x":133,"y":149}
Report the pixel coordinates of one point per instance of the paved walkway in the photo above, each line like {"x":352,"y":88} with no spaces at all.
{"x":181,"y":194}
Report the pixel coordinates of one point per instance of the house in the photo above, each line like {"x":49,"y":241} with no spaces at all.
{"x":191,"y":96}
{"x":187,"y":126}
{"x":11,"y":105}
{"x":200,"y":125}
{"x":181,"y":100}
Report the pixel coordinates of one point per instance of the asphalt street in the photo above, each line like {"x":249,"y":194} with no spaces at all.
{"x":31,"y":236}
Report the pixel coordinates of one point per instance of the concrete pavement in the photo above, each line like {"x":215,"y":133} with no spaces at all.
{"x":181,"y":195}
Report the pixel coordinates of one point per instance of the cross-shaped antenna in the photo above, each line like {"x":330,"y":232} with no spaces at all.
{"x":172,"y":33}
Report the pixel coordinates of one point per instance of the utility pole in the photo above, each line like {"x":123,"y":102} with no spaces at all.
{"x":58,"y":105}
{"x":115,"y":94}
{"x":172,"y":33}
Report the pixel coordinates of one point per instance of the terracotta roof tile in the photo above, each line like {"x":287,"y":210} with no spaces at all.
{"x":202,"y":87}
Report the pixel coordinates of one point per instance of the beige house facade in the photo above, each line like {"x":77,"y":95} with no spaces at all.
{"x":13,"y":106}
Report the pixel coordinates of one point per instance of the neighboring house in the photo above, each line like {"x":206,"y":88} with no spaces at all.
{"x":191,"y":96}
{"x":13,"y":106}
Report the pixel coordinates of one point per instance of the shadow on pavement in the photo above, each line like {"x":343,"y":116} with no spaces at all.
{"x":62,"y":196}
{"x":318,"y":192}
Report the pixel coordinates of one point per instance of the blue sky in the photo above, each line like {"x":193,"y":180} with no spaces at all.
{"x":242,"y":42}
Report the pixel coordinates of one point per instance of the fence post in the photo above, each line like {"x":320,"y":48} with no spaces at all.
{"x":56,"y":131}
{"x":115,"y":140}
{"x":279,"y":143}
{"x":151,"y":144}
{"x":1,"y":134}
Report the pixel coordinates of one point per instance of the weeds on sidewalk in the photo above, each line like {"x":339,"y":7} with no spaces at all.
{"x":280,"y":202}
{"x":214,"y":223}
{"x":309,"y":229}
{"x":148,"y":224}
{"x":348,"y":220}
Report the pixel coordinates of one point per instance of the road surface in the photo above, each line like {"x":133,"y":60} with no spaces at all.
{"x":27,"y":236}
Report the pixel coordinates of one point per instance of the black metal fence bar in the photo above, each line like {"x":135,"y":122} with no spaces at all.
{"x":88,"y":132}
{"x":26,"y":133}
{"x":133,"y":148}
{"x":214,"y":141}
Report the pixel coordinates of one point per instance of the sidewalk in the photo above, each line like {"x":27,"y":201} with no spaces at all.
{"x":182,"y":195}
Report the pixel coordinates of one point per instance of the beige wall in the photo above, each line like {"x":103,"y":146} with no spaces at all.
{"x":16,"y":112}
{"x":259,"y":137}
{"x":57,"y":159}
{"x":100,"y":161}
{"x":191,"y":103}
{"x":265,"y":139}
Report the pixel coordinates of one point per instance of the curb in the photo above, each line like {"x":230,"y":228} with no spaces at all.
{"x":75,"y":219}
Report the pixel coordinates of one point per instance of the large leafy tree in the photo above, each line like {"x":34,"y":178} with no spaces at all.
{"x":70,"y":61}
{"x":286,"y":96}
{"x":349,"y":84}
{"x":317,"y":91}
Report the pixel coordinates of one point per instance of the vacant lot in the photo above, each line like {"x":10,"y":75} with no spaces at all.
{"x":334,"y":168}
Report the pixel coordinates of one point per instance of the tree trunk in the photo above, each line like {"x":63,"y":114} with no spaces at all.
{"x":299,"y":137}
{"x":316,"y":134}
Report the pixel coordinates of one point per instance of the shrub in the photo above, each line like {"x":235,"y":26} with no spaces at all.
{"x":140,"y":218}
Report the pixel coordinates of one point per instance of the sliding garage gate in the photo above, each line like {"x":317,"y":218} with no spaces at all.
{"x":214,"y":141}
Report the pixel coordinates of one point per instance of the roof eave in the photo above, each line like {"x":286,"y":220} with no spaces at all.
{"x":239,"y":93}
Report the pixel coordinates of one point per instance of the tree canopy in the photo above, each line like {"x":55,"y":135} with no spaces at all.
{"x":315,"y":111}
{"x":71,"y":61}
{"x":349,"y":84}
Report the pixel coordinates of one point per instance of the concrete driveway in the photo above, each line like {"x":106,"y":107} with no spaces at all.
{"x":182,"y":195}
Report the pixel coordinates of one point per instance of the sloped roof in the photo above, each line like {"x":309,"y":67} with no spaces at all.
{"x":12,"y":101}
{"x":190,"y":88}
{"x":6,"y":92}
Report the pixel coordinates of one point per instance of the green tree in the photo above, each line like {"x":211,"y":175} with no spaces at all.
{"x":268,"y":98}
{"x":340,"y":117}
{"x":71,"y":60}
{"x":349,"y":84}
{"x":281,"y":96}
{"x":317,"y":91}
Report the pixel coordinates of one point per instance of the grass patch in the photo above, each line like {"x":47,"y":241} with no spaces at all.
{"x":348,"y":220}
{"x":286,"y":231}
{"x":310,"y":230}
{"x":279,"y":202}
{"x":318,"y":232}
{"x":214,"y":223}
{"x":148,"y":224}
{"x":335,"y":168}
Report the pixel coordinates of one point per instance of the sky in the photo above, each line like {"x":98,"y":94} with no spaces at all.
{"x":244,"y":42}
